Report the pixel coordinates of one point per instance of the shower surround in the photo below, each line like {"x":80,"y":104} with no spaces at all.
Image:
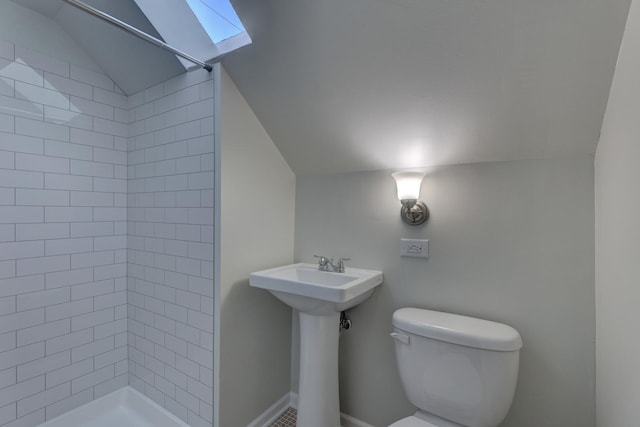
{"x":106,"y":239}
{"x":170,"y":245}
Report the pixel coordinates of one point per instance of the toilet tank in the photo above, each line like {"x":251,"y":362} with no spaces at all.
{"x":455,"y":367}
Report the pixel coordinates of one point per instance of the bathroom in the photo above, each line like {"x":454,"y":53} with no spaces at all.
{"x":529,"y":182}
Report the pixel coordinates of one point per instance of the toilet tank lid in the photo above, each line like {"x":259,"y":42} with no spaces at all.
{"x":457,"y":329}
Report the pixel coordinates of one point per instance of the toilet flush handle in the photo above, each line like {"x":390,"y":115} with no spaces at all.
{"x":404,"y":339}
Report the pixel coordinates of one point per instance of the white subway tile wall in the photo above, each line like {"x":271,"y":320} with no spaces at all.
{"x":106,"y":240}
{"x":170,"y":245}
{"x":63,"y":281}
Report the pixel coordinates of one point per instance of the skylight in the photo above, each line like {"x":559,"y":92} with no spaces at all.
{"x":206,"y":29}
{"x":218,"y":18}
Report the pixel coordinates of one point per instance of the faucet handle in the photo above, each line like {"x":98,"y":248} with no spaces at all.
{"x":340,"y":266}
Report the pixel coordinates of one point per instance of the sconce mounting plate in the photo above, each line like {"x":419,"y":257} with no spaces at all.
{"x":416,"y":214}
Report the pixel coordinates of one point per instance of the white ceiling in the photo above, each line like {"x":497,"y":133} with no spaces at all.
{"x":375,"y":84}
{"x":355,"y":85}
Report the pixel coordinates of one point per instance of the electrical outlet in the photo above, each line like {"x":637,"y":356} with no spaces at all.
{"x":416,"y":248}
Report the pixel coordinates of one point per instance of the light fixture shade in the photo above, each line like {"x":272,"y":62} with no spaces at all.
{"x":408,"y":184}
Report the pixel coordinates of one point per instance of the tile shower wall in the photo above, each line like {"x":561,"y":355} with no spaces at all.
{"x":63,"y":317}
{"x":170,"y":245}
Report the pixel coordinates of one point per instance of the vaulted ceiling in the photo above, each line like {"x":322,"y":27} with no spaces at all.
{"x":386,"y":84}
{"x":375,"y":84}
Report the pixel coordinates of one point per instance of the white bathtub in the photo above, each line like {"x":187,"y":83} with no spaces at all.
{"x":125,"y":407}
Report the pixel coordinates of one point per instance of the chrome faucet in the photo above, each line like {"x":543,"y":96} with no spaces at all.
{"x":323,"y":262}
{"x":326,"y":264}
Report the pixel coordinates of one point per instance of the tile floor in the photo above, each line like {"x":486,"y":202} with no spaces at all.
{"x":288,"y":419}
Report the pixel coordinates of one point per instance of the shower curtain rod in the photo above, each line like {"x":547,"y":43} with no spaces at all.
{"x":138,"y":33}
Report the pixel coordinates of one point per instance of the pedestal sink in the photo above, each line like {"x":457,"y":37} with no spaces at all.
{"x":319,"y":296}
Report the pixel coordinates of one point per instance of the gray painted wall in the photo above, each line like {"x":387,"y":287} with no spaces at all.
{"x":617,"y":236}
{"x":510,"y":242}
{"x":257,"y":216}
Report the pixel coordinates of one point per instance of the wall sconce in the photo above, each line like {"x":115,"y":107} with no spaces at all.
{"x":413,"y":211}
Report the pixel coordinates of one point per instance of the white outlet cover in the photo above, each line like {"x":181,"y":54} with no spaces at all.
{"x":414,"y":248}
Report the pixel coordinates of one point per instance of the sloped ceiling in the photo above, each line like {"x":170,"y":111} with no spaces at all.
{"x":374,"y":84}
{"x":356,"y":85}
{"x":132,"y":64}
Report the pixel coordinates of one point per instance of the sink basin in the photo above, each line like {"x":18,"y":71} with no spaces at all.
{"x":307,"y":289}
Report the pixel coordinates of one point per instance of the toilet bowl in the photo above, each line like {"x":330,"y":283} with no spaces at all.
{"x":459,"y":371}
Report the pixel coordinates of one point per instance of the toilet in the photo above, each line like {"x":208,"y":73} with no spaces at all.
{"x":459,"y":371}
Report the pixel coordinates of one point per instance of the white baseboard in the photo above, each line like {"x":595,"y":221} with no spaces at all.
{"x":272,"y":413}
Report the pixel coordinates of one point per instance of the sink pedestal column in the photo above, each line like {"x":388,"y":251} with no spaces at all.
{"x":318,"y":401}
